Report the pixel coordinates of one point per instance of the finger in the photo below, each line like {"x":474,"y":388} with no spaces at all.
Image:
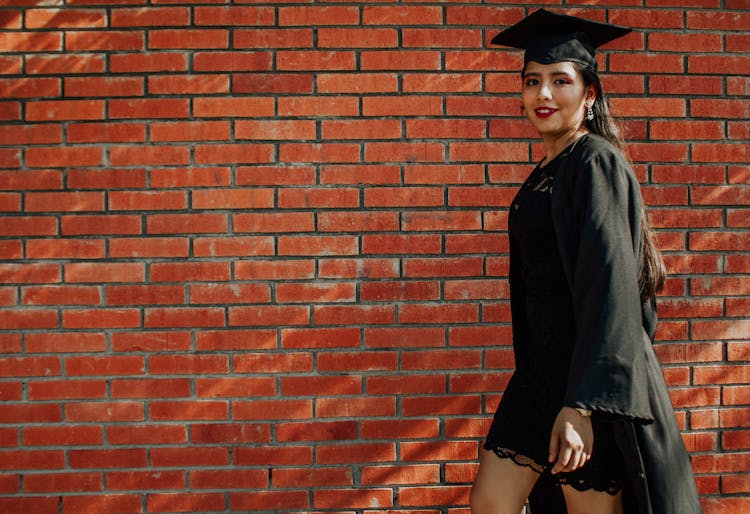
{"x":562,"y":459}
{"x":554,"y":448}
{"x":574,"y":462}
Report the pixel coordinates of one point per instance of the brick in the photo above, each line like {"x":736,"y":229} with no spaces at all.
{"x":245,"y":16}
{"x":233,"y":199}
{"x":305,"y":477}
{"x":152,"y":62}
{"x":10,"y":111}
{"x":186,"y":223}
{"x":319,"y":337}
{"x":184,"y":317}
{"x":729,"y":286}
{"x":60,"y":295}
{"x":62,"y":436}
{"x":139,"y":480}
{"x":229,"y":479}
{"x":401,"y":15}
{"x":271,"y":315}
{"x":10,"y":202}
{"x":358,"y":268}
{"x":235,"y":387}
{"x":319,"y":153}
{"x":149,"y":155}
{"x":269,"y":363}
{"x":192,"y":177}
{"x":317,"y":245}
{"x":272,"y":38}
{"x":105,"y":412}
{"x":668,"y":42}
{"x":110,"y":40}
{"x":29,"y":319}
{"x":389,"y":60}
{"x":63,"y":110}
{"x":30,"y":88}
{"x":441,"y":359}
{"x":264,"y":500}
{"x":314,"y":15}
{"x":63,"y":482}
{"x":403,"y":106}
{"x":60,"y":18}
{"x":225,"y":432}
{"x":65,"y":342}
{"x":435,"y":406}
{"x":354,"y":315}
{"x":717,"y":20}
{"x":321,"y":385}
{"x":272,"y":410}
{"x":359,"y":452}
{"x":446,"y":267}
{"x":357,"y":38}
{"x":256,"y":83}
{"x":357,"y":498}
{"x":287,"y":60}
{"x":357,"y":361}
{"x":189,"y":411}
{"x":236,"y":340}
{"x":274,"y":175}
{"x":150,"y":388}
{"x":399,"y":291}
{"x":81,"y":63}
{"x":233,"y":153}
{"x":402,"y":197}
{"x":29,"y":273}
{"x":296,"y":198}
{"x":104,"y":272}
{"x":356,"y":83}
{"x":408,"y":384}
{"x":30,"y":179}
{"x":150,"y":341}
{"x":275,"y":130}
{"x":274,"y":269}
{"x":36,"y":504}
{"x":108,"y":504}
{"x":320,"y":293}
{"x":150,"y":16}
{"x":31,"y":413}
{"x":721,"y":374}
{"x":223,"y":294}
{"x":443,"y":495}
{"x":101,"y":318}
{"x":194,"y":456}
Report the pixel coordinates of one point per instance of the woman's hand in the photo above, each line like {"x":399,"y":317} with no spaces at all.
{"x":571,"y":442}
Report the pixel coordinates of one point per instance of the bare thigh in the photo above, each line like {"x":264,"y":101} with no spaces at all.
{"x":501,"y":486}
{"x":591,"y":502}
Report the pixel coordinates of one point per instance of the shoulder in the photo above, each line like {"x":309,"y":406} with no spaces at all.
{"x":595,"y":149}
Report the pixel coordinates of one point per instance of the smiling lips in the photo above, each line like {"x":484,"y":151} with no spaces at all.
{"x":544,"y":112}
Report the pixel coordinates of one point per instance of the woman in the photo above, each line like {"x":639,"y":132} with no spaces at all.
{"x":585,"y":425}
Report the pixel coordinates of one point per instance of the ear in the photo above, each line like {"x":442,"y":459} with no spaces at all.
{"x":591,"y":94}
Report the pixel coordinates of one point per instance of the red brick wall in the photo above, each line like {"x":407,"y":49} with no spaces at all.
{"x":254,"y":257}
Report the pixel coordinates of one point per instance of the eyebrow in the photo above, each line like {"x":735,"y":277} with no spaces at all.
{"x":554,"y":74}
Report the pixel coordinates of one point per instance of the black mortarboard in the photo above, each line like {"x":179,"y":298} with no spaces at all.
{"x":550,"y":37}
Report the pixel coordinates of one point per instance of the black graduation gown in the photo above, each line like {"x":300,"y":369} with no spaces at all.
{"x":597,"y":210}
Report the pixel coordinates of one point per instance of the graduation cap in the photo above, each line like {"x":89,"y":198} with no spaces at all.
{"x":549,"y":37}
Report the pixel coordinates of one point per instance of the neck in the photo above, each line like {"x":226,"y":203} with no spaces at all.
{"x":556,"y":144}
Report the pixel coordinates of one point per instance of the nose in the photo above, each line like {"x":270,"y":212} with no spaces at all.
{"x":544,"y":91}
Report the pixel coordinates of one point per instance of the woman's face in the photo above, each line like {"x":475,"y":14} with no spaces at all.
{"x":554,"y":97}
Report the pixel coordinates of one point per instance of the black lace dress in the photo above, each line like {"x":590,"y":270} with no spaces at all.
{"x":543,"y":346}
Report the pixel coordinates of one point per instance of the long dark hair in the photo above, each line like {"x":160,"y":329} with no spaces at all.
{"x":652,"y":273}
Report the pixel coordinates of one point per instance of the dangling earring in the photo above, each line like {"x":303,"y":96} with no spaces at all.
{"x":589,"y":113}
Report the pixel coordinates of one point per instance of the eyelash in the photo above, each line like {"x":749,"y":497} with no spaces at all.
{"x":559,"y":82}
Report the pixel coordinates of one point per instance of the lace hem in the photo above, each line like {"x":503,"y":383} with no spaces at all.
{"x":579,"y":484}
{"x":520,"y":459}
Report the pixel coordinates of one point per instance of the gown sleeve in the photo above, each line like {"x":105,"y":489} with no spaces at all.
{"x":608,"y":372}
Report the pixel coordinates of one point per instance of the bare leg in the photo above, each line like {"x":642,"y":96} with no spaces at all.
{"x":501,"y":485}
{"x":591,"y":502}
